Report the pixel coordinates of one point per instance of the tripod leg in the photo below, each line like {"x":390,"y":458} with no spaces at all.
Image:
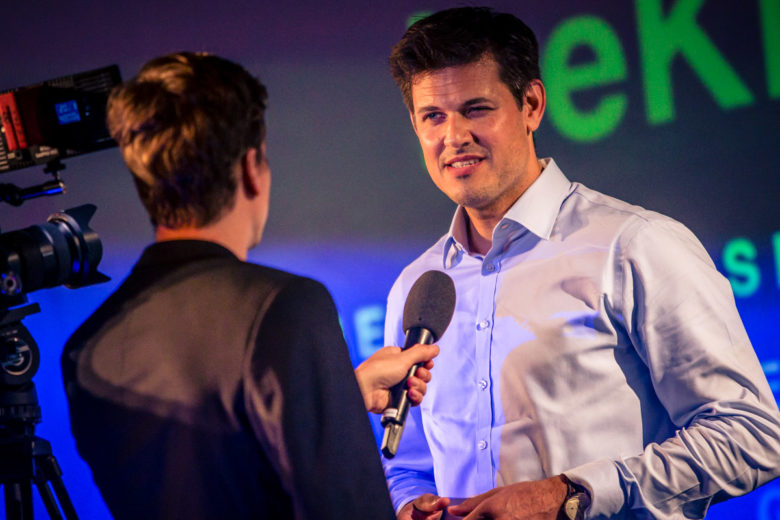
{"x":18,"y":500}
{"x":49,"y":470}
{"x":48,"y":500}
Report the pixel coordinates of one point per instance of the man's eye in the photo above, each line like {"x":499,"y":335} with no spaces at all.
{"x":477,"y":110}
{"x":432,"y":116}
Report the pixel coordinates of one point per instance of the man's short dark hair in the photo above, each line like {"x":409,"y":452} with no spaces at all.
{"x":182,"y":124}
{"x":465,"y":35}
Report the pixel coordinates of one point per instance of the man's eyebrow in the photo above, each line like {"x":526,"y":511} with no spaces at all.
{"x":465,"y":104}
{"x":427,"y":108}
{"x":476,"y":101}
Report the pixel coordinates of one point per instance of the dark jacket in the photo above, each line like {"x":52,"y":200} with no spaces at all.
{"x":208,"y":387}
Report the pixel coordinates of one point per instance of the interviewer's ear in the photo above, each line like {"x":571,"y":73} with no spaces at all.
{"x":253,"y":167}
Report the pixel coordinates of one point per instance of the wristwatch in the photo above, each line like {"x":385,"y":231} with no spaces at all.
{"x":576,"y":502}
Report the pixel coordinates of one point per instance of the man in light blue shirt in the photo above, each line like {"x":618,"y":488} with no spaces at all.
{"x":596,"y":365}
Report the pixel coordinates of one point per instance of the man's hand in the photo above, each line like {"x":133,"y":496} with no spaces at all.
{"x":388,"y":366}
{"x":537,"y":500}
{"x":424,"y":507}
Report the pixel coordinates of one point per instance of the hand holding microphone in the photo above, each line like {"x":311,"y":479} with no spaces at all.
{"x":427,"y":313}
{"x":390,"y":365}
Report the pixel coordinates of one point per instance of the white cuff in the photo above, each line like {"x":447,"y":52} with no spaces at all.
{"x":600,"y":477}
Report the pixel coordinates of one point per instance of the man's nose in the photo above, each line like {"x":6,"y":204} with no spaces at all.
{"x":457,"y":131}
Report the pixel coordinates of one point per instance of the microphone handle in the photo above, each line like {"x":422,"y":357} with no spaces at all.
{"x":394,"y":416}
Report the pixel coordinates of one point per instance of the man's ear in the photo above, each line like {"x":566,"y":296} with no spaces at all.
{"x":534,"y":104}
{"x":251,"y":170}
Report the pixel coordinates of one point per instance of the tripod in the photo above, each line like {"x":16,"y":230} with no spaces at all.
{"x":25,"y":459}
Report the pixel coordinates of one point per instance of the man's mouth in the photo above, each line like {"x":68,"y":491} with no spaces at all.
{"x":464,"y":162}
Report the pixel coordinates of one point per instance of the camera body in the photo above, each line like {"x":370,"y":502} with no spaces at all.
{"x":56,"y":119}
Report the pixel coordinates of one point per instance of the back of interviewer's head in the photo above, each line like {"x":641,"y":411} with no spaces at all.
{"x":183,"y":123}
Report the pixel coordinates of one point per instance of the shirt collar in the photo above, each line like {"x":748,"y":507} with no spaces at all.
{"x":536,"y":210}
{"x":181,"y":251}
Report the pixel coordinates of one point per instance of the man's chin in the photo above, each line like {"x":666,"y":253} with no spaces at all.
{"x":469,"y":200}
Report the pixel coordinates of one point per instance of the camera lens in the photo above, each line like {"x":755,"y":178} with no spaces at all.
{"x":64,"y":250}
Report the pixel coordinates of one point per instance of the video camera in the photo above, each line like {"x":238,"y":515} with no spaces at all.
{"x":42,"y":124}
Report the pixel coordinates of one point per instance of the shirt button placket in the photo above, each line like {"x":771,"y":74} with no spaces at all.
{"x":484,"y":331}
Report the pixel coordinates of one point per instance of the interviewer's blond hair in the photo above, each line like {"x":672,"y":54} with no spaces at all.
{"x":182,"y":125}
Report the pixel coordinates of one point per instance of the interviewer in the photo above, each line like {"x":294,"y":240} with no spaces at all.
{"x":206,"y":386}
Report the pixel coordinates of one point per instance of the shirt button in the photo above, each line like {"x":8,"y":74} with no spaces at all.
{"x":482,"y":325}
{"x":482,"y":445}
{"x":504,"y":225}
{"x":490,"y":268}
{"x":482,"y":384}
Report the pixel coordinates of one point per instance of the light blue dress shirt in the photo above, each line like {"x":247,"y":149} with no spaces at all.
{"x":594,"y":339}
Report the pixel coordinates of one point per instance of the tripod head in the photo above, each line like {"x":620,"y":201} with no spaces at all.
{"x":19,"y":361}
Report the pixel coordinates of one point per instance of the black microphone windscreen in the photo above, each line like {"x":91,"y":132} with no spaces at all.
{"x":431,"y":303}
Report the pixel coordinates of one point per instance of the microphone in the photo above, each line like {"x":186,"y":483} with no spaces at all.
{"x":427,"y":313}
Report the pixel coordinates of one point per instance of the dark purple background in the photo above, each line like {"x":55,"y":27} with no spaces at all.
{"x":351,"y":202}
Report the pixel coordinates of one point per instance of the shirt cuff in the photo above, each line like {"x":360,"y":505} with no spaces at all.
{"x":401,"y":498}
{"x":601,"y":479}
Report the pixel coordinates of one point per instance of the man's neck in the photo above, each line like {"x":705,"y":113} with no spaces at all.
{"x":480,"y":232}
{"x":217,"y":233}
